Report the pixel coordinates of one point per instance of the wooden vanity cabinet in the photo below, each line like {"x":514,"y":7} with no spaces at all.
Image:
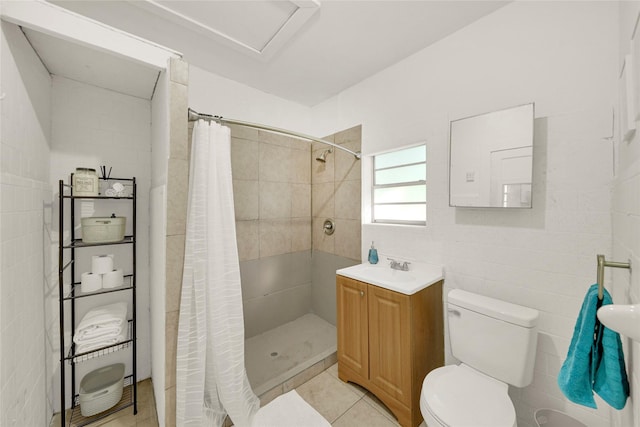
{"x":388,"y":342}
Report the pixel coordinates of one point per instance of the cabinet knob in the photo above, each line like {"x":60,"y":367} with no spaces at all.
{"x":361,"y":293}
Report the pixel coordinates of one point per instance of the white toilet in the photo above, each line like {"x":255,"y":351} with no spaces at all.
{"x":496,"y":343}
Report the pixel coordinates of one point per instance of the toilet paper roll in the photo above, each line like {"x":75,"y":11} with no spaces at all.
{"x":90,"y":282}
{"x":101,"y":264}
{"x":112,"y":279}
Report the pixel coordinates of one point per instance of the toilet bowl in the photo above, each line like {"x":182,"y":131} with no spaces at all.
{"x":495,"y":342}
{"x":461,"y":396}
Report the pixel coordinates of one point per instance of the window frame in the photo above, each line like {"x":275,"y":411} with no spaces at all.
{"x":375,"y":186}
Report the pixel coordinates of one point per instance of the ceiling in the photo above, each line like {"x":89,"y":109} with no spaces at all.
{"x":90,"y":65}
{"x":305,"y":51}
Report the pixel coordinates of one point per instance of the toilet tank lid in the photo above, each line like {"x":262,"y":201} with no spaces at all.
{"x":512,"y":313}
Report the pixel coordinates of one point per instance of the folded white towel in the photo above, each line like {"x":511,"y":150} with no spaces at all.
{"x":102,"y":338}
{"x":112,"y":315}
{"x":96,"y":343}
{"x":97,"y":332}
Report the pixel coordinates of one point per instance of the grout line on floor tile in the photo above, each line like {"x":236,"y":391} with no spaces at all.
{"x":348,"y":409}
{"x":388,"y":415}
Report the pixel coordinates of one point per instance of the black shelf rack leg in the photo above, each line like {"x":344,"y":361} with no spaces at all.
{"x":135,"y":318}
{"x":73,"y":305}
{"x":61,"y":297}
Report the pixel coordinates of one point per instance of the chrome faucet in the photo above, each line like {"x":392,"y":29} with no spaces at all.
{"x":397,"y":265}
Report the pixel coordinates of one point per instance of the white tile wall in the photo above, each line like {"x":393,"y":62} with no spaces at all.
{"x":91,"y":126}
{"x":25,"y":219}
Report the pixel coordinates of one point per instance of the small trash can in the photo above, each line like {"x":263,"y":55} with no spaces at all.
{"x":553,"y":418}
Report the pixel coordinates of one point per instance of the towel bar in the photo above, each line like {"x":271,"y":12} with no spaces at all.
{"x":602,"y":263}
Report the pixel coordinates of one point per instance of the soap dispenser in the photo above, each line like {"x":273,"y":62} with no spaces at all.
{"x":373,"y":255}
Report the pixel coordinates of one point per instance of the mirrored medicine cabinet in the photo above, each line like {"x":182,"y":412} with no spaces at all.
{"x":491,"y":159}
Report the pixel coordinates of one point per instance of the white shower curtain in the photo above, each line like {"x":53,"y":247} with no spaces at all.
{"x":211,"y":380}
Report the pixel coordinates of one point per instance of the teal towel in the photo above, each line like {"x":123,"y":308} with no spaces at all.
{"x":610,"y":381}
{"x":576,"y":375}
{"x":595,"y":360}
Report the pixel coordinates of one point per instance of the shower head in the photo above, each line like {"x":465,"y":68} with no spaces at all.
{"x":323,"y":156}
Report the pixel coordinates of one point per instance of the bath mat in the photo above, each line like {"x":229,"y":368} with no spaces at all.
{"x":289,"y":410}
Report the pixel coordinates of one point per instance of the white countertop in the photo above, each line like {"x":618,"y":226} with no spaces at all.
{"x":409,"y":282}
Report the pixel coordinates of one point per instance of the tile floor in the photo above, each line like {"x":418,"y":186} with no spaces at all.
{"x":342,"y":404}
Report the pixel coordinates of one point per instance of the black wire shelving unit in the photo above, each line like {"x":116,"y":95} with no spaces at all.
{"x":69,"y":298}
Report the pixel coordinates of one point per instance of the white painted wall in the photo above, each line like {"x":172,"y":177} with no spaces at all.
{"x":91,"y":127}
{"x":157,"y":238}
{"x":25,"y":226}
{"x":212,"y":94}
{"x":561,"y":55}
{"x":157,"y":229}
{"x":626,"y":217}
{"x":160,"y":131}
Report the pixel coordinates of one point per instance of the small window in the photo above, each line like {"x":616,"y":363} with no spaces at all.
{"x":400,"y":186}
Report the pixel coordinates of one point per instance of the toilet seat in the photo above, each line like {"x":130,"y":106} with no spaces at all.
{"x":460,"y":396}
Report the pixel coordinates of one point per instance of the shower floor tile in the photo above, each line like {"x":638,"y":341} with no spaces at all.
{"x":277,"y":355}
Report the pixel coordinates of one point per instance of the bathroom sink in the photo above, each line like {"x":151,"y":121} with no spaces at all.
{"x":624,"y":319}
{"x":409,"y":282}
{"x":388,"y":274}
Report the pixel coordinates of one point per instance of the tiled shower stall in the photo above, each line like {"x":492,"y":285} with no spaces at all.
{"x":282,"y":196}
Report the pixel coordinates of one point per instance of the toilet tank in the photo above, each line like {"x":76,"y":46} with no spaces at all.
{"x":492,"y":336}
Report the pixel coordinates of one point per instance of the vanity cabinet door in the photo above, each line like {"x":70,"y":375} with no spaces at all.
{"x":390,"y":342}
{"x":353,"y":328}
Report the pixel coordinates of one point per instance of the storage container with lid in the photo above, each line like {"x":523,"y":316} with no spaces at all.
{"x":101,"y":389}
{"x":85,"y":182}
{"x":103,"y":229}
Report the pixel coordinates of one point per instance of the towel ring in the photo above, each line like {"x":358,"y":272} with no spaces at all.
{"x":602,"y":263}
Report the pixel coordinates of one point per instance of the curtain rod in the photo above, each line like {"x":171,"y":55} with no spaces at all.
{"x":194,"y":116}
